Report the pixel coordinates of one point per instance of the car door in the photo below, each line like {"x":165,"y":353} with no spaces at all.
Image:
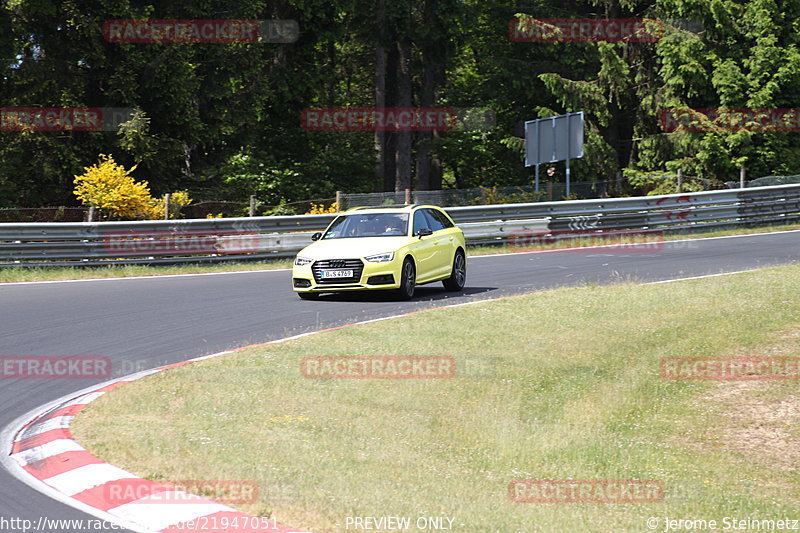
{"x":444,"y":241}
{"x":423,"y":248}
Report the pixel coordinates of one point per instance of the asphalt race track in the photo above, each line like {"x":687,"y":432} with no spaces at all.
{"x":142,"y":323}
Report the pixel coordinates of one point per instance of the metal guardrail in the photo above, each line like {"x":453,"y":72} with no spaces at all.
{"x":177,"y":241}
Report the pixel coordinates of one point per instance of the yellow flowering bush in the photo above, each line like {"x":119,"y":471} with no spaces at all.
{"x":111,"y":188}
{"x":320,"y":209}
{"x":177,"y":200}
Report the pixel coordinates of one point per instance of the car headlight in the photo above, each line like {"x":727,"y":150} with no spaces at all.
{"x":380,"y":258}
{"x":300,"y":261}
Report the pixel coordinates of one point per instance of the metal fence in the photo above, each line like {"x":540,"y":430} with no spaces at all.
{"x":176,"y":241}
{"x":43,"y":214}
{"x":766,"y":181}
{"x":549,"y":191}
{"x":203,"y":209}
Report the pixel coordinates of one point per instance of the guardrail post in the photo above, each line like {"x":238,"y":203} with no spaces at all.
{"x":742,"y":176}
{"x":166,"y":206}
{"x":680,"y":180}
{"x":252,"y":209}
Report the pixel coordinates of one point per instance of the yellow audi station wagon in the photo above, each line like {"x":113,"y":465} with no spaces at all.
{"x":383,"y":248}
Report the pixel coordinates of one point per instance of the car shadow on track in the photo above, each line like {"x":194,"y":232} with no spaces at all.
{"x":421,"y":294}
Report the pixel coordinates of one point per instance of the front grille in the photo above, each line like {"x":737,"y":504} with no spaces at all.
{"x":337,"y":264}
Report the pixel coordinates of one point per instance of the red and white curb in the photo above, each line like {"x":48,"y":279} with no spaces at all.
{"x":45,"y":456}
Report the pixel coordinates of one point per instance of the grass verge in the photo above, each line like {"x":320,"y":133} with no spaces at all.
{"x":553,"y":385}
{"x":10,"y":275}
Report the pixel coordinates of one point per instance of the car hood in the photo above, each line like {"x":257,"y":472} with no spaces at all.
{"x":353,"y":248}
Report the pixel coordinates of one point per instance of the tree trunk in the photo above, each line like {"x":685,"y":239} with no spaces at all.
{"x":435,"y":55}
{"x":390,"y":137}
{"x":380,"y":95}
{"x":403,"y":149}
{"x":425,"y":138}
{"x":436,"y":169}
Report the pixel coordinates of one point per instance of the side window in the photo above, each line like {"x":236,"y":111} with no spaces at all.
{"x":435,"y":223}
{"x":441,"y":217}
{"x":420,"y":221}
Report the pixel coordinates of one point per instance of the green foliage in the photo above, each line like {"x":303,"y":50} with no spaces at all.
{"x":656,"y":183}
{"x":222,"y":121}
{"x":491,"y":195}
{"x":134,"y":137}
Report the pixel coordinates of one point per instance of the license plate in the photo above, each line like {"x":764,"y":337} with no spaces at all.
{"x":328,"y":274}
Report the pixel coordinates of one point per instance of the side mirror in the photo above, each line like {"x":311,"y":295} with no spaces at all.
{"x":424,"y":232}
{"x":317,"y":236}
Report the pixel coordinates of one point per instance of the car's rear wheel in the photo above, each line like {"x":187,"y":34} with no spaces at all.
{"x":308,"y":295}
{"x":408,"y":280}
{"x":458,"y":277}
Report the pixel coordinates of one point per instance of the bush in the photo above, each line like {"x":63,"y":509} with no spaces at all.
{"x":320,"y":209}
{"x":110,"y":188}
{"x":660,"y":182}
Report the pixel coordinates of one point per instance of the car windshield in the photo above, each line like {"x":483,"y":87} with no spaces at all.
{"x":368,"y":225}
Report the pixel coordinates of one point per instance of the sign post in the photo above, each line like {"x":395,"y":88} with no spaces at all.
{"x":552,"y":139}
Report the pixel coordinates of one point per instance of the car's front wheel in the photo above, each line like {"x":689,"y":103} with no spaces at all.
{"x":408,"y":280}
{"x":458,"y":277}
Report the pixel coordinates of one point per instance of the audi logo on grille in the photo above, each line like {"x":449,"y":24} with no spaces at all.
{"x":337,"y":264}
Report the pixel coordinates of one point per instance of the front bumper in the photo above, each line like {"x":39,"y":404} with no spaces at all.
{"x":373,"y":276}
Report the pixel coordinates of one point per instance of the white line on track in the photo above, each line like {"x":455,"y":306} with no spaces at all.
{"x":7,"y":435}
{"x":703,"y":276}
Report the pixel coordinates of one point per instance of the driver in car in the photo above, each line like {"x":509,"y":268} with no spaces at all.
{"x":394,"y":226}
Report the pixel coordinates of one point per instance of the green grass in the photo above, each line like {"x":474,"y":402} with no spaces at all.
{"x":22,"y":274}
{"x":8,"y":275}
{"x":557,"y":384}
